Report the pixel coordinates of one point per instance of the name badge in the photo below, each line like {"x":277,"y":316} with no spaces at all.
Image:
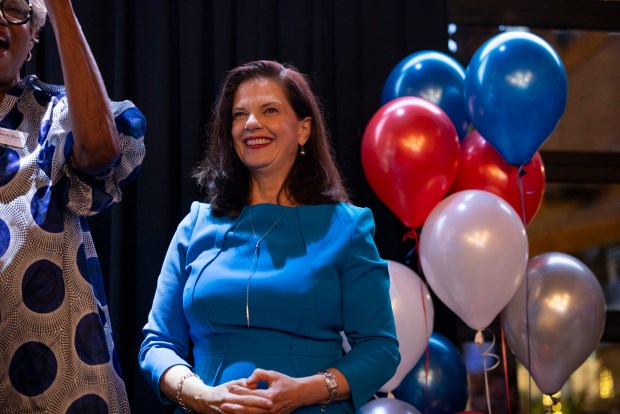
{"x":13,"y":138}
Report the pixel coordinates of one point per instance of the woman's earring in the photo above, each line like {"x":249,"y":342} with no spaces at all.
{"x":302,"y":152}
{"x":29,"y":57}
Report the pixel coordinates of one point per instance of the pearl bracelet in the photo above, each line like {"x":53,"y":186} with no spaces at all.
{"x":180,"y":387}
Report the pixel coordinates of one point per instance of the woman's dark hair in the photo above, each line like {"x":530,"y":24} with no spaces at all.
{"x":313,"y":179}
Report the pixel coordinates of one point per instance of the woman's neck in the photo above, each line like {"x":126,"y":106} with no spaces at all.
{"x":283,"y":199}
{"x":269,"y":192}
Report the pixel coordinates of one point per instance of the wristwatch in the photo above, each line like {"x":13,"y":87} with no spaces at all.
{"x":332,"y":385}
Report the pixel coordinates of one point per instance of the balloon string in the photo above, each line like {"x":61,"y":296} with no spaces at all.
{"x":413,"y":234}
{"x":426,"y":352}
{"x":487,"y":353}
{"x":505,"y":364}
{"x":486,"y":384}
{"x":521,"y":173}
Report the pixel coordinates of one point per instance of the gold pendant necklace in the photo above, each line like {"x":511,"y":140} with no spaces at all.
{"x":255,"y":258}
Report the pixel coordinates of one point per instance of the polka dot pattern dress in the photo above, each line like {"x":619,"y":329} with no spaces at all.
{"x":57,"y":353}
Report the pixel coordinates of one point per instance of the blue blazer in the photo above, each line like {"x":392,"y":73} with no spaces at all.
{"x":318,"y":273}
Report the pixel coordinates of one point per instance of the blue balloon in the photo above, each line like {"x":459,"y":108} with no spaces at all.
{"x":435,"y":77}
{"x":515,"y":93}
{"x":447,"y":390}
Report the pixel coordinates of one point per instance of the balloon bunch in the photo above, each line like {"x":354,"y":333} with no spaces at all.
{"x":454,"y":154}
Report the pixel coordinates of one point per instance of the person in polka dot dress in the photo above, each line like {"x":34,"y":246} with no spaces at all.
{"x":65,"y":151}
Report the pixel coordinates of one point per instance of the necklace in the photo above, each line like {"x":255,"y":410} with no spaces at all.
{"x":255,"y":258}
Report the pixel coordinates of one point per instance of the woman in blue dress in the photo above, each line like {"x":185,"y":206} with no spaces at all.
{"x":258,"y":285}
{"x":65,"y":151}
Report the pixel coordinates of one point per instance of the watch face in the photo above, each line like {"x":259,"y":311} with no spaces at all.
{"x":331,"y":381}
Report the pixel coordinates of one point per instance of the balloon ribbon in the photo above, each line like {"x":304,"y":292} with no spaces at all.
{"x":426,"y":352}
{"x":479,"y":339}
{"x":505,"y":364}
{"x":521,"y":173}
{"x":413,"y":234}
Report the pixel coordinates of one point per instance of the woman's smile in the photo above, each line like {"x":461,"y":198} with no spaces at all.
{"x":257,"y":142}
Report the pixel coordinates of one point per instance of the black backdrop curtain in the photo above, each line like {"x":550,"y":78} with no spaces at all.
{"x":169,"y":57}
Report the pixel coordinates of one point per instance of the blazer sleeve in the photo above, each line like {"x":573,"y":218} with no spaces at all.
{"x":167,"y":339}
{"x":368,"y":320}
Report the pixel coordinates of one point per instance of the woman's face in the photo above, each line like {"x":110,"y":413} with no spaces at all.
{"x":16,"y":40}
{"x":265,"y":129}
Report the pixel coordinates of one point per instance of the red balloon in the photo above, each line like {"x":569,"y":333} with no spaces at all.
{"x":410,"y":152}
{"x":482,"y":168}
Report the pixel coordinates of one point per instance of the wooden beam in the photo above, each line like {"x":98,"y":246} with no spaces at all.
{"x":557,"y":14}
{"x":581,"y":167}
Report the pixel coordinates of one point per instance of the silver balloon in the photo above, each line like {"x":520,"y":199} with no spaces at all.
{"x":566,"y":316}
{"x":387,"y":406}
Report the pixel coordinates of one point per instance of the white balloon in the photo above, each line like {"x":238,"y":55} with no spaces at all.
{"x":413,"y":315}
{"x":474,"y":252}
{"x":411,"y":302}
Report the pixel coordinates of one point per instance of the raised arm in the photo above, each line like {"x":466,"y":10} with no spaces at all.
{"x":96,"y":142}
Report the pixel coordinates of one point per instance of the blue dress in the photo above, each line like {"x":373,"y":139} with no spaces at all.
{"x":316,"y":273}
{"x":55,"y":335}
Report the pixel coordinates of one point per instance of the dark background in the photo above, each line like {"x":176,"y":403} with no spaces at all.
{"x":169,"y":57}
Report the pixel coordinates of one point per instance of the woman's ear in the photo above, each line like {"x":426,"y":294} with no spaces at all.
{"x":305,"y":130}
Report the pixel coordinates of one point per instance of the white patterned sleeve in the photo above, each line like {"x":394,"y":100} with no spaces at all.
{"x":85,"y":194}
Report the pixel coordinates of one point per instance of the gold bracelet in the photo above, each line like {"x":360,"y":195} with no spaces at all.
{"x":180,"y":387}
{"x":332,"y":386}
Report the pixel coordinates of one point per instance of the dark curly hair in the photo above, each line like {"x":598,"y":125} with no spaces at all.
{"x":313,"y":179}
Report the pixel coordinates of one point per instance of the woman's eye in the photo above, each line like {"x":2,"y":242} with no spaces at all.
{"x":238,"y":115}
{"x":271,"y":111}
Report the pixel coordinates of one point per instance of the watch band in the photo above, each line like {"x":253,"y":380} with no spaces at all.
{"x":332,"y":386}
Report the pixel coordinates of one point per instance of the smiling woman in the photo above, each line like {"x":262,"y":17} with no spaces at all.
{"x":17,"y":38}
{"x":257,"y":285}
